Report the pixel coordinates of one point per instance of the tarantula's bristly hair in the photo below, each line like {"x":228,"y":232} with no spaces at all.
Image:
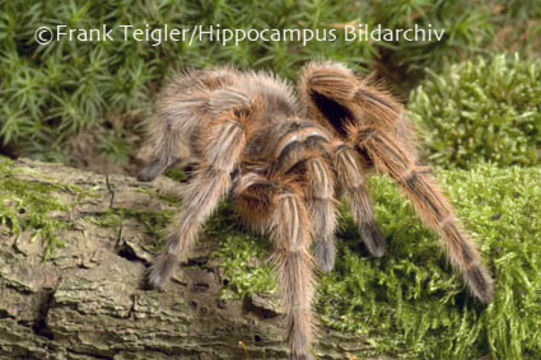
{"x":324,"y":89}
{"x":289,"y":228}
{"x":278,"y":94}
{"x":351,"y":179}
{"x":221,"y":153}
{"x":319,"y":196}
{"x":370,"y":119}
{"x":277,"y":207}
{"x":430,"y":204}
{"x":181,"y":106}
{"x":336,"y":97}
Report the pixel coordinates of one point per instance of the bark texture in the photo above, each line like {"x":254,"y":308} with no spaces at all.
{"x":88,"y":300}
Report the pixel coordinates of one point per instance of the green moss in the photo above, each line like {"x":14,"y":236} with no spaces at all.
{"x":30,"y":204}
{"x":171,"y":199}
{"x":153,"y":221}
{"x":175,"y":174}
{"x":26,"y":204}
{"x":109,"y":219}
{"x":409,"y":302}
{"x":481,"y":111}
{"x":244,"y":266}
{"x":242,"y":255}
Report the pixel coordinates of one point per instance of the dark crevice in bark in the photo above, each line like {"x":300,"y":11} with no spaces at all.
{"x":126,"y":252}
{"x":40,"y":327}
{"x":248,"y":305}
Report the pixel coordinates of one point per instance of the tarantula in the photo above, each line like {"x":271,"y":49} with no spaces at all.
{"x":284,"y":162}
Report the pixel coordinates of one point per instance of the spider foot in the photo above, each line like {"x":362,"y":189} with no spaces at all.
{"x":373,"y":239}
{"x":161,"y":270}
{"x":325,"y":254}
{"x":480,"y":283}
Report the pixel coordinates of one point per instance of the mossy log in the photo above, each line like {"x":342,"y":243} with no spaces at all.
{"x":87,"y":299}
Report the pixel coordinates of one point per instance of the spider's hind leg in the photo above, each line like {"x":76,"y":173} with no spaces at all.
{"x":373,"y":122}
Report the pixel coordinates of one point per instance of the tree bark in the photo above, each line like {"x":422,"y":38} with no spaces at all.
{"x":88,"y":301}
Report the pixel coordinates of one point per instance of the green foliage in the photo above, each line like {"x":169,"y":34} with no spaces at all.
{"x":481,"y":111}
{"x":50,"y":93}
{"x":409,"y":302}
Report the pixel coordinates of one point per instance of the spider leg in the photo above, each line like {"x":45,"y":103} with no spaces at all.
{"x":374,"y":121}
{"x":181,"y":107}
{"x":168,"y":149}
{"x":319,"y":198}
{"x":389,"y":157}
{"x":336,"y":97}
{"x":278,"y":209}
{"x":211,"y":183}
{"x":350,"y":175}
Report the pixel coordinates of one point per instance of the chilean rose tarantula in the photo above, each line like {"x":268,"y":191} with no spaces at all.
{"x":284,"y":163}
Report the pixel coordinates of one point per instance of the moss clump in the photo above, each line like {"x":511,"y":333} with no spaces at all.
{"x":242,"y":255}
{"x":409,"y":302}
{"x":244,"y":266}
{"x":27,"y":204}
{"x":481,"y":111}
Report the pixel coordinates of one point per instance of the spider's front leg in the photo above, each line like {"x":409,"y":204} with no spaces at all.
{"x":277,"y":208}
{"x":319,"y":198}
{"x":371,"y":119}
{"x":388,"y":156}
{"x":222,"y":146}
{"x":351,"y":179}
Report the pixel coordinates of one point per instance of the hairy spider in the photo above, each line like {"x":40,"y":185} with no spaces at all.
{"x":284,"y":162}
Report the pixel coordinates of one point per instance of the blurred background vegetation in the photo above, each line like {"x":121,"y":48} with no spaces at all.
{"x":479,"y":111}
{"x":84,"y":103}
